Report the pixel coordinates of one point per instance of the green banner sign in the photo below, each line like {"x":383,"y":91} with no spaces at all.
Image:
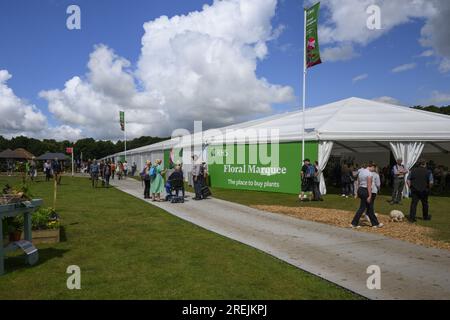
{"x":246,"y":166}
{"x":122,"y":120}
{"x":312,"y":39}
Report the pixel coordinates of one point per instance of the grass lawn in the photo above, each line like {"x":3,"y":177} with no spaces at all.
{"x":128,"y":249}
{"x":439,"y":206}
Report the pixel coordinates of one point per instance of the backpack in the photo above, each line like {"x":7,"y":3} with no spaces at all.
{"x":153,"y":172}
{"x":310,"y":171}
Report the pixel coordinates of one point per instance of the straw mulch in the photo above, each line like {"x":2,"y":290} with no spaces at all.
{"x":400,"y":230}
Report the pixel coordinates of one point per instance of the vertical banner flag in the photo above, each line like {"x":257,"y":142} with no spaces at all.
{"x":69,"y":150}
{"x":312,"y":40}
{"x":122,"y":120}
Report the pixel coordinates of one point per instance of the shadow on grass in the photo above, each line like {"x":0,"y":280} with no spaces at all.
{"x":17,"y":262}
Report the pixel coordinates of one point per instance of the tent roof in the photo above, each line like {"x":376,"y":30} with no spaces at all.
{"x":7,"y":154}
{"x":19,"y":153}
{"x":352,"y":119}
{"x":356,"y":119}
{"x":23,"y":154}
{"x":52,"y":156}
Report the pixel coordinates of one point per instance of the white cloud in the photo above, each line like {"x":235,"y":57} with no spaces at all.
{"x":345,"y":22}
{"x":404,"y":67}
{"x":199,"y":66}
{"x":426,"y":54}
{"x":439,"y":98}
{"x":389,"y":100}
{"x":338,"y":53}
{"x":17,"y":116}
{"x":360,"y":77}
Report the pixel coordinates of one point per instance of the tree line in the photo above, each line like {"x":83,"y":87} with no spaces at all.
{"x":435,"y":109}
{"x":90,"y":148}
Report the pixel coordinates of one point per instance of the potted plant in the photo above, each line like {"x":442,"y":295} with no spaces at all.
{"x":15,"y":228}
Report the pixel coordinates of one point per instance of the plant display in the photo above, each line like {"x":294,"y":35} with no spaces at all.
{"x":45,"y":218}
{"x":15,"y":194}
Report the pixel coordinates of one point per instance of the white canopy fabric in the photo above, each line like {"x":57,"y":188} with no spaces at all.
{"x":352,"y":120}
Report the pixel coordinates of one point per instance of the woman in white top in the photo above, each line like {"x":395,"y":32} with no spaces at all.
{"x":365,"y":195}
{"x":376,"y":185}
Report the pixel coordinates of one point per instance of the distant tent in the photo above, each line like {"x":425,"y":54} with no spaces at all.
{"x":52,"y":156}
{"x":7,"y":154}
{"x":19,"y":153}
{"x":23,"y":154}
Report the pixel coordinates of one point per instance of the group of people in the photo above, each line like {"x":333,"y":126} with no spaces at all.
{"x":53,"y":169}
{"x":419,"y":181}
{"x":365,"y":182}
{"x":310,"y":181}
{"x":153,"y":178}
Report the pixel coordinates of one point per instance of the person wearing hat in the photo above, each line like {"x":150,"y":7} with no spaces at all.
{"x":420,"y":181}
{"x":399,"y":171}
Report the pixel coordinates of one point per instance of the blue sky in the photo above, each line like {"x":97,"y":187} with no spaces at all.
{"x":42,"y":54}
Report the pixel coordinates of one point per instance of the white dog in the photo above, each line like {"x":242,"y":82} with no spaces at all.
{"x":396,"y":216}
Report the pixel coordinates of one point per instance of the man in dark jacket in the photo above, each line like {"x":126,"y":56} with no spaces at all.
{"x":420,"y":182}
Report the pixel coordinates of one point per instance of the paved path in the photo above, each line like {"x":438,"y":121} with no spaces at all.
{"x":339,"y":255}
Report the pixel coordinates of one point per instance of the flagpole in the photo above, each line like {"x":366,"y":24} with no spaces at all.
{"x":304,"y":86}
{"x":72,"y":160}
{"x":125,"y":136}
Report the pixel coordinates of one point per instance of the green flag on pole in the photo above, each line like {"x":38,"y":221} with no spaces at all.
{"x":312,"y":39}
{"x":122,"y":120}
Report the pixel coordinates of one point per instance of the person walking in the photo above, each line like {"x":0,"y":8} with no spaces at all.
{"x":346,"y":180}
{"x":145,"y":175}
{"x":94,"y":169}
{"x":113,"y":170}
{"x":399,"y":171}
{"x":47,"y":170}
{"x":376,"y":187}
{"x":365,"y":179}
{"x":107,"y":173}
{"x":157,"y":181}
{"x":133,"y":169}
{"x":420,"y":181}
{"x":197,"y":175}
{"x":57,"y":170}
{"x":119,"y":170}
{"x":307,"y":179}
{"x":125,"y":170}
{"x":33,"y":169}
{"x":316,"y":188}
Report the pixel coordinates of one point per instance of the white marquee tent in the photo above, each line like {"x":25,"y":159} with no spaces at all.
{"x":350,"y":127}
